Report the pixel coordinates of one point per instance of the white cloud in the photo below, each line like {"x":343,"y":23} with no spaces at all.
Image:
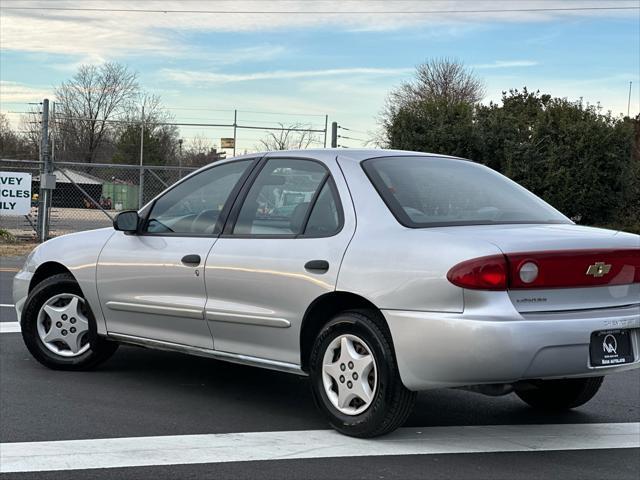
{"x":120,"y":33}
{"x":14,"y":92}
{"x":206,"y":78}
{"x":15,"y":97}
{"x":506,"y":64}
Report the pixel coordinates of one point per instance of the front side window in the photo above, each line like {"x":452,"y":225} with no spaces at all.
{"x":280,"y":200}
{"x":432,"y":191}
{"x":193,"y":207}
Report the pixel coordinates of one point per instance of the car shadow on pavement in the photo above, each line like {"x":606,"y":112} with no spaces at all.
{"x":141,"y":392}
{"x":260,"y":389}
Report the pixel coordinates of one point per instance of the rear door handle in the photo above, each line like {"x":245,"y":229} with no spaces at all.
{"x":317,"y":266}
{"x":191,"y":260}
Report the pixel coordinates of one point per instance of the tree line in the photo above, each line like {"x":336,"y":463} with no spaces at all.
{"x":98,"y":118}
{"x":584,"y":162}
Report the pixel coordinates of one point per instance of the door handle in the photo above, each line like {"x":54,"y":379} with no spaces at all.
{"x":317,"y":266}
{"x":191,"y":260}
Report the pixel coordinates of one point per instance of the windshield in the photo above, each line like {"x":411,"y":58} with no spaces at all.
{"x":432,"y":191}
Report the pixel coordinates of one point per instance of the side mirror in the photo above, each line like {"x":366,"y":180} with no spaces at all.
{"x":127,"y":221}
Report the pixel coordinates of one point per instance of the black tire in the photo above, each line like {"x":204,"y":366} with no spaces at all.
{"x":99,"y":348}
{"x":392,"y":402}
{"x":560,"y":394}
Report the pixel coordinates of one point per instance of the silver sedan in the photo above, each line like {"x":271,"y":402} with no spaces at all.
{"x":375,"y":273}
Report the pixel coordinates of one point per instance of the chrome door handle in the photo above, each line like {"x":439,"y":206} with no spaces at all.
{"x":317,"y":266}
{"x":191,"y":260}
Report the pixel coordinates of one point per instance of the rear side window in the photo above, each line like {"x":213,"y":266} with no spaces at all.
{"x":279,"y":201}
{"x":326,"y":216}
{"x":432,"y":191}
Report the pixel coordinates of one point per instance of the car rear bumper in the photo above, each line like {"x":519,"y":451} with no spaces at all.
{"x":450,"y":350}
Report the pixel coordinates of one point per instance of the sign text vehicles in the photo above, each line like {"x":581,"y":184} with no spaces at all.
{"x":15,"y":193}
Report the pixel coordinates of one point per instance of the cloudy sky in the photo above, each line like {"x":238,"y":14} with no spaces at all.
{"x":318,"y":57}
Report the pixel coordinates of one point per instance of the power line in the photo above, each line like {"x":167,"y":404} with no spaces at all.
{"x":351,"y":138}
{"x":324,"y":12}
{"x":351,"y":130}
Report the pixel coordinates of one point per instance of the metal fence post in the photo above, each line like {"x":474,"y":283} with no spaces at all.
{"x":235,"y":128}
{"x":44,"y":200}
{"x":326,"y":125}
{"x":141,"y":182}
{"x":334,"y":134}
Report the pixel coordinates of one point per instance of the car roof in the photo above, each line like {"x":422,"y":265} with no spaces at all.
{"x":353,"y":154}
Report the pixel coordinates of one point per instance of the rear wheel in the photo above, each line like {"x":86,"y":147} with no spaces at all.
{"x":560,"y":394}
{"x":355,"y":379}
{"x":59,"y":328}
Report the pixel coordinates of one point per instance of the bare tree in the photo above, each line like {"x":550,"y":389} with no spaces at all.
{"x":294,"y":136}
{"x":199,"y":145}
{"x":158,"y":127}
{"x":440,"y":79}
{"x":12,"y":145}
{"x":200,"y":151}
{"x":444,"y":81}
{"x":30,"y":132}
{"x":87,"y":103}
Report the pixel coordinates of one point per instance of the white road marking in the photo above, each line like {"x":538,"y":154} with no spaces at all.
{"x":243,"y":447}
{"x":9,"y":327}
{"x":7,"y":305}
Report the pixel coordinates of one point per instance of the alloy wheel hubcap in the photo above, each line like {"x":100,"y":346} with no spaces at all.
{"x":63,"y":326}
{"x":349,"y":374}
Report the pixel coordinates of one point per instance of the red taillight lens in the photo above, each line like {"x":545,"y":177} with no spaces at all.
{"x":576,"y":268}
{"x":549,"y":269}
{"x":485,"y":273}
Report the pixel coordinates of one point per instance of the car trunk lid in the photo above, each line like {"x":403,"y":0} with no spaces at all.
{"x":577,"y":267}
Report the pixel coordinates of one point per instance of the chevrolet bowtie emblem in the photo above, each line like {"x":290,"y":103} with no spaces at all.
{"x":598,"y":269}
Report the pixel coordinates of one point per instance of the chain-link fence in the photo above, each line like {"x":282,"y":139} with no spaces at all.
{"x":87,"y":196}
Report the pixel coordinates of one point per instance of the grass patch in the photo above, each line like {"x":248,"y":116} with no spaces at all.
{"x":10,"y":246}
{"x":16,"y":249}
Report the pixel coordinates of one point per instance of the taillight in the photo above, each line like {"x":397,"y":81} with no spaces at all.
{"x":574,"y":268}
{"x":485,"y":273}
{"x":548,"y":269}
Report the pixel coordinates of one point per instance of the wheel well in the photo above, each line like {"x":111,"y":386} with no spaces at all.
{"x":323,"y":309}
{"x":45,"y":271}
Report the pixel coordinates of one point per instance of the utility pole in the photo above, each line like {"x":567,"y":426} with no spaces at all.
{"x":629,"y":101}
{"x":47,"y":178}
{"x":334,"y":134}
{"x":326,"y":124}
{"x":180,"y":157}
{"x":141,"y":182}
{"x":235,"y":127}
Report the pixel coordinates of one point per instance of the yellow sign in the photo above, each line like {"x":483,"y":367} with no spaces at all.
{"x":227,"y":142}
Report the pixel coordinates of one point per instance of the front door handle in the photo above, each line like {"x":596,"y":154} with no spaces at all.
{"x":191,"y":260}
{"x":317,"y":266}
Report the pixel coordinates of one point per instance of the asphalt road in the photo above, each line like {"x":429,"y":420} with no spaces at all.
{"x":7,"y":314}
{"x":141,"y":393}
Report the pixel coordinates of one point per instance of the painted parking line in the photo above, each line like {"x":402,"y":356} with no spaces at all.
{"x":7,"y":305}
{"x":253,"y":446}
{"x":9,"y":327}
{"x":9,"y":269}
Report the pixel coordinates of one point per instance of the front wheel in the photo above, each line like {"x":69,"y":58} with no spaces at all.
{"x":59,"y":329}
{"x":560,"y":394}
{"x":355,"y":379}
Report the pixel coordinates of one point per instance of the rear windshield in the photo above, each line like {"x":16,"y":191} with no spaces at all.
{"x":432,"y":191}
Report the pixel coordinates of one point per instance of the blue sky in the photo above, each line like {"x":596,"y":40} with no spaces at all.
{"x":301,"y":67}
